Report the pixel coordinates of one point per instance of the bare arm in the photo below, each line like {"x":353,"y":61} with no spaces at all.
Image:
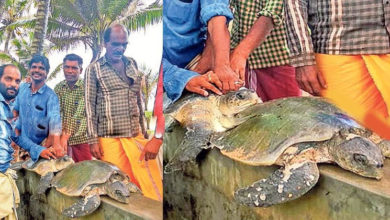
{"x":257,"y":35}
{"x":220,"y":39}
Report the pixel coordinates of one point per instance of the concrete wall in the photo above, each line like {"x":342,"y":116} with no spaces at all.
{"x":206,"y":192}
{"x":51,"y":205}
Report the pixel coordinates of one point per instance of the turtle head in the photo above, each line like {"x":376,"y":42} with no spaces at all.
{"x":63,"y":162}
{"x":119,"y":191}
{"x":237,"y":101}
{"x":360,"y":156}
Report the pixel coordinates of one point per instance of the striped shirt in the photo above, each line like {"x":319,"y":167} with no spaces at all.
{"x":347,"y":27}
{"x":113,"y":105}
{"x":273,"y":51}
{"x":72,"y":107}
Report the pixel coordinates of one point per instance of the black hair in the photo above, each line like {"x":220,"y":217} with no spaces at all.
{"x":73,"y":57}
{"x":40,"y":59}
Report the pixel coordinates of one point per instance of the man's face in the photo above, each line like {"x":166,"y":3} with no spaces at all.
{"x":117,"y":44}
{"x":38,"y":72}
{"x":9,"y":82}
{"x":72,"y":71}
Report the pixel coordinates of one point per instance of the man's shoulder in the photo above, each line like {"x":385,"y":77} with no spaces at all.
{"x":59,"y":85}
{"x":49,"y":91}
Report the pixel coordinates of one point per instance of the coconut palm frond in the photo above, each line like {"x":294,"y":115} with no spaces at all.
{"x":54,"y":73}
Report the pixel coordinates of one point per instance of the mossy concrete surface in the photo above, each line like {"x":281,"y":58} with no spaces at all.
{"x":206,"y":192}
{"x":50,"y":206}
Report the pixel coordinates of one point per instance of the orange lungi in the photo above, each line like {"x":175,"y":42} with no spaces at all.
{"x":359,"y":85}
{"x":125,"y":153}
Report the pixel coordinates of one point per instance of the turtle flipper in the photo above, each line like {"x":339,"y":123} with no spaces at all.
{"x":283,"y":185}
{"x":195,"y":140}
{"x":83,"y":207}
{"x":44,"y":183}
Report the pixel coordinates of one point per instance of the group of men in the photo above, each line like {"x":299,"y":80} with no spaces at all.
{"x":336,"y":49}
{"x":100,"y":117}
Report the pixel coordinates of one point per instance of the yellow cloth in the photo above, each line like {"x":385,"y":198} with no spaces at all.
{"x":359,"y":85}
{"x":9,"y":195}
{"x":125,"y":153}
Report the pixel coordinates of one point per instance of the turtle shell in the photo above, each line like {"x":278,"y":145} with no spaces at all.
{"x":44,"y":166}
{"x":72,"y":180}
{"x":276,"y":125}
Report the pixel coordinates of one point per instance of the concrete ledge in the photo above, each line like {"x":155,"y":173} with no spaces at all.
{"x":51,"y":205}
{"x":206,"y":192}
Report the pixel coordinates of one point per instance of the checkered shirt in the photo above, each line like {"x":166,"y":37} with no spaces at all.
{"x":347,"y":27}
{"x":72,"y":107}
{"x":273,"y":51}
{"x":112,"y":104}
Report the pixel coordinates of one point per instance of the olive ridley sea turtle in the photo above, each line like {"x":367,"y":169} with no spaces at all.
{"x":91,"y":179}
{"x":296,"y":134}
{"x":46,"y":169}
{"x":203,"y":116}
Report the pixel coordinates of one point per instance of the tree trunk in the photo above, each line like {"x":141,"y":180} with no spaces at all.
{"x":8,"y":39}
{"x":41,"y":26}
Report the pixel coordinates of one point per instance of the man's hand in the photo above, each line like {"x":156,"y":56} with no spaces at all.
{"x":200,"y":84}
{"x":96,"y":151}
{"x":310,"y":79}
{"x":47,"y":154}
{"x":64,"y":141}
{"x":151,"y":149}
{"x":58,"y":150}
{"x":229,"y":79}
{"x":238,"y":63}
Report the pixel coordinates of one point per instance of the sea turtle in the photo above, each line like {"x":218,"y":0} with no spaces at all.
{"x":91,"y":179}
{"x":202,"y":116}
{"x":46,"y":169}
{"x":296,"y":134}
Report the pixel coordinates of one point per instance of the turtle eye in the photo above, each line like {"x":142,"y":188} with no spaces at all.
{"x":240,"y":96}
{"x":360,"y":158}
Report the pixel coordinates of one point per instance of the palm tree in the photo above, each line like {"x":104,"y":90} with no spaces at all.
{"x":14,"y":21}
{"x":41,"y":26}
{"x":84,"y":21}
{"x":149,"y":83}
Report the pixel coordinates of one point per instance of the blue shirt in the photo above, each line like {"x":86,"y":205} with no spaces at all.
{"x":39,"y":116}
{"x":184,"y":31}
{"x":6,"y":149}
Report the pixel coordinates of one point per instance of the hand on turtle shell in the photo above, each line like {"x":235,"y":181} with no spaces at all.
{"x":151,"y":149}
{"x":58,"y":150}
{"x":200,"y":84}
{"x":96,"y":151}
{"x":238,"y":63}
{"x":310,"y":79}
{"x":230,"y":80}
{"x":47,"y":154}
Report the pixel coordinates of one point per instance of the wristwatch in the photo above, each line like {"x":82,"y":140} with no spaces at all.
{"x":158,"y":136}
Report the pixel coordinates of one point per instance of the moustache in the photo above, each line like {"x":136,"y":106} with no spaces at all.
{"x":12,"y":89}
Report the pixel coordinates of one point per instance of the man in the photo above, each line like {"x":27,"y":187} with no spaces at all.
{"x":258,"y":38}
{"x":114,"y":118}
{"x":186,"y":25}
{"x":9,"y":195}
{"x":346,"y":56}
{"x":39,"y":110}
{"x":72,"y":105}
